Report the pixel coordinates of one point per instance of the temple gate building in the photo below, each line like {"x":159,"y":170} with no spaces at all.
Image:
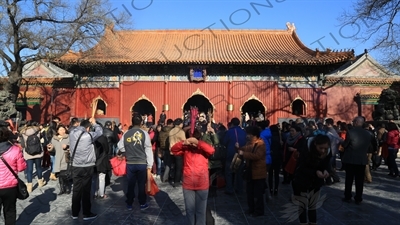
{"x":225,"y":72}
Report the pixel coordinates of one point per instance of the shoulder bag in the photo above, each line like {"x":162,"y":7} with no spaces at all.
{"x":22,"y":190}
{"x":68,"y":173}
{"x":237,"y":160}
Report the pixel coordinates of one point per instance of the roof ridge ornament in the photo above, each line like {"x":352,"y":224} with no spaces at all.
{"x":290,"y":26}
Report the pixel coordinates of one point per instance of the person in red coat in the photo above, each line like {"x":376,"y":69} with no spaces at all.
{"x":392,"y":142}
{"x":8,"y":185}
{"x":195,"y":175}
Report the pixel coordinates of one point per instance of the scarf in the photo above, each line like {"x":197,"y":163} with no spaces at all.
{"x":291,"y":140}
{"x":57,"y":138}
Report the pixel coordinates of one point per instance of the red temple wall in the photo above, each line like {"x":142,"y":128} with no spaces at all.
{"x":341,"y":104}
{"x":337,"y":102}
{"x":367,"y":111}
{"x":63,"y":104}
{"x":132,"y":91}
{"x":240,"y":92}
{"x":220,"y":94}
{"x":216,"y":92}
{"x":85,"y":96}
{"x":314,"y":99}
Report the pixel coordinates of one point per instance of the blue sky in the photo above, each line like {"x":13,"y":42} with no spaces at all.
{"x":315,"y":20}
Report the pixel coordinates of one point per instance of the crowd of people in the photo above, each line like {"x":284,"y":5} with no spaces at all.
{"x":184,"y":154}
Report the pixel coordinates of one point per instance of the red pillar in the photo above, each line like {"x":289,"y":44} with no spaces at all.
{"x":76,"y":102}
{"x":165,"y":92}
{"x":121,"y":108}
{"x":274,"y":118}
{"x":230,"y":101}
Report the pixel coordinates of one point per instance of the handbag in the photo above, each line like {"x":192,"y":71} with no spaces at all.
{"x":22,"y":190}
{"x":236,"y":162}
{"x":237,"y":159}
{"x":68,"y":172}
{"x":151,"y":185}
{"x":377,"y":160}
{"x":67,"y":156}
{"x":292,"y":163}
{"x":118,"y":166}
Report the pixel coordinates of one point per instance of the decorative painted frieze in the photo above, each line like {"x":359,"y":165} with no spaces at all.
{"x":99,"y":82}
{"x":114,"y":81}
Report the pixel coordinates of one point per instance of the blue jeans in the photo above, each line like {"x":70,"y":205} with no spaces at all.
{"x":52,"y":161}
{"x":230,"y":183}
{"x":93,"y":189}
{"x":195,"y":206}
{"x":158,"y":164}
{"x":136,"y":173}
{"x":29,"y":169}
{"x":333,"y":161}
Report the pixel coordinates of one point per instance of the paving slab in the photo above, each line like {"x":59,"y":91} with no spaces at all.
{"x":380,"y":206}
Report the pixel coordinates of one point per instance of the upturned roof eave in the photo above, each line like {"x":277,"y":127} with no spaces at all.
{"x":297,"y":48}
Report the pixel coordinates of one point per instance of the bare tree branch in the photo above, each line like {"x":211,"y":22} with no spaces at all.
{"x":31,"y":30}
{"x":379,"y":21}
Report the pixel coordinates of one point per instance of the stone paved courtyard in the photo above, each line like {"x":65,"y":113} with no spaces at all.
{"x":381,"y":205}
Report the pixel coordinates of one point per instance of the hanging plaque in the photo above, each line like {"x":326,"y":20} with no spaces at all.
{"x":198,"y":74}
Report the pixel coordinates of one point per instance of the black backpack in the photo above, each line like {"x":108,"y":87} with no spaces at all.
{"x":219,"y":154}
{"x":33,"y":145}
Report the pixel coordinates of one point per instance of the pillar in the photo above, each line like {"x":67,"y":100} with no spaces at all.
{"x":230,"y":101}
{"x":121,"y":108}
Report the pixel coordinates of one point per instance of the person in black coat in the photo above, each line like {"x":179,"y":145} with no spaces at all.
{"x":355,"y":159}
{"x":293,"y":145}
{"x":312,"y":168}
{"x":162,"y":119}
{"x":103,"y":166}
{"x":277,"y":158}
{"x":112,"y":138}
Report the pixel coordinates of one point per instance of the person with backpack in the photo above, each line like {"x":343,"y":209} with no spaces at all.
{"x":33,"y":153}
